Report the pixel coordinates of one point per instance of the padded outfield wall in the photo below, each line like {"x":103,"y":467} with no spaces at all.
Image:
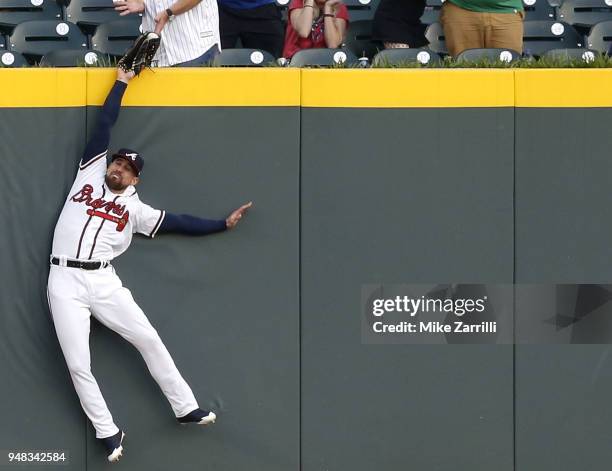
{"x":358,"y":176}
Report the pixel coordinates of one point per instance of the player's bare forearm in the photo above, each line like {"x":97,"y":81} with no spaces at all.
{"x":124,"y":76}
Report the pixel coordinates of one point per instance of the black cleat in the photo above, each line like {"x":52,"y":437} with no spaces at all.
{"x":114,"y":449}
{"x":198,"y":416}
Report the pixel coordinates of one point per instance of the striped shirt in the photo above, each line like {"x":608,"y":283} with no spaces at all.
{"x":188,"y":35}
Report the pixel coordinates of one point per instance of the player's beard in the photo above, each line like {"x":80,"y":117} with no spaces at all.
{"x":115,"y":185}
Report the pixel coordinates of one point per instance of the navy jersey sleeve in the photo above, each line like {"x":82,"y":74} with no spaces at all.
{"x":190,"y":225}
{"x":98,"y":144}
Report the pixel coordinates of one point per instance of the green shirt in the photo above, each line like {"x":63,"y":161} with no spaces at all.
{"x":490,"y":6}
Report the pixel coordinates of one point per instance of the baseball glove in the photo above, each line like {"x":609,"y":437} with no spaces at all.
{"x":141,"y":54}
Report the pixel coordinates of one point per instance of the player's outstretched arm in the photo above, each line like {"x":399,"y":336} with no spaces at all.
{"x":98,"y":144}
{"x":192,"y":225}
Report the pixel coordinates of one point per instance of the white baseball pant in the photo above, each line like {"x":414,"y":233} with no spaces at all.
{"x":74,"y":295}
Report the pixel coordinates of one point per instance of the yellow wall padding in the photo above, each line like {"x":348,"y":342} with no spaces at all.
{"x":42,"y":88}
{"x":563,"y":88}
{"x":407,"y":88}
{"x":202,"y":87}
{"x":332,"y":88}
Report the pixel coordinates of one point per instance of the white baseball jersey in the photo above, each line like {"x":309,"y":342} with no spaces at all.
{"x":186,"y":36}
{"x":97,"y":224}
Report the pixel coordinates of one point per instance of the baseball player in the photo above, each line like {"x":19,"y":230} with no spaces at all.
{"x":100,"y":214}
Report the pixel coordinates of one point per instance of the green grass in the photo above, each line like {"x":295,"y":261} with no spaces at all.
{"x":103,"y":61}
{"x":600,"y":61}
{"x":386,"y":64}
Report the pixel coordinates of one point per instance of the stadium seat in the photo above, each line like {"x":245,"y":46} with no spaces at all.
{"x":323,"y":58}
{"x":243,"y":58}
{"x":542,"y":36}
{"x":585,"y":13}
{"x":12,"y":59}
{"x":435,"y":35}
{"x":586,"y":55}
{"x":34,"y":39}
{"x":600,"y":37}
{"x":404,"y":56}
{"x":360,"y":10}
{"x":488,"y":54}
{"x":74,"y":58}
{"x":90,"y":13}
{"x":432,"y":11}
{"x":115,"y":37}
{"x":538,"y":10}
{"x":13,"y":12}
{"x":359,"y":39}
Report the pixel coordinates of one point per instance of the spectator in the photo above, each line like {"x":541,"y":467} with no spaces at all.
{"x":191,"y":34}
{"x":397,"y":24}
{"x":257,"y":23}
{"x":314,"y":24}
{"x":472,"y":24}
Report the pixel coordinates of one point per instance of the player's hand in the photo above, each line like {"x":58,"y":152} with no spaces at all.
{"x":160,"y":21}
{"x":236,"y":216}
{"x":125,"y":7}
{"x":123,"y":76}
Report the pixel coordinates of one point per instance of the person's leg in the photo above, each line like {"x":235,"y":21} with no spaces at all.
{"x":229,"y":28}
{"x":68,"y":302}
{"x":116,"y":309}
{"x":463,"y":29}
{"x":505,"y":31}
{"x":397,"y":24}
{"x":228,"y":41}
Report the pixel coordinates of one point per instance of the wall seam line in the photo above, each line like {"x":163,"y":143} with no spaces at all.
{"x":300,"y":467}
{"x":514,"y":456}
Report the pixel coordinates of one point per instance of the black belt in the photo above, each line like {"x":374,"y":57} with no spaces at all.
{"x":82,"y":265}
